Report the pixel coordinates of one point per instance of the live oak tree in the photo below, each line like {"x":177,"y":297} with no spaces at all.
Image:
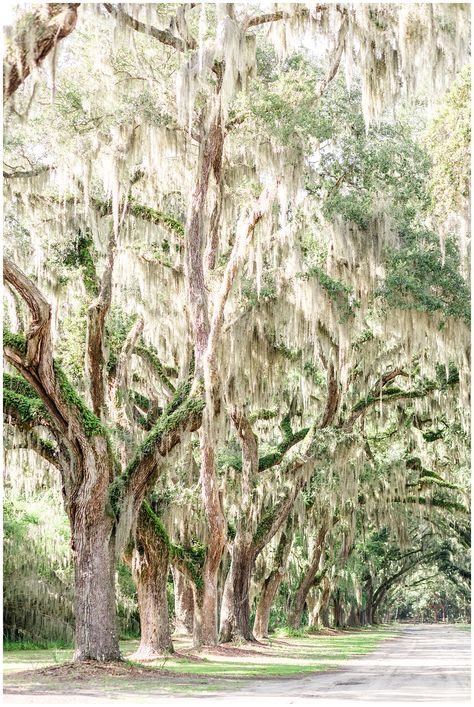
{"x":204,"y":265}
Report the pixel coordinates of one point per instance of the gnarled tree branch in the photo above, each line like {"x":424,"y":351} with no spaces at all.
{"x":35,"y":39}
{"x":163,"y":36}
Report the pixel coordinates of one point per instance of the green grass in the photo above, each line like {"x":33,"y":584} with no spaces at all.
{"x":464,"y":627}
{"x":280,"y":657}
{"x":207,"y":671}
{"x":34,"y":646}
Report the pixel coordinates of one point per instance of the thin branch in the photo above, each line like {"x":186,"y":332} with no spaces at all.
{"x":332,"y":400}
{"x":245,"y":230}
{"x":376,"y":395}
{"x":274,"y":518}
{"x":249,"y":446}
{"x":28,"y":174}
{"x":336,"y":58}
{"x":96,"y":314}
{"x":163,"y":36}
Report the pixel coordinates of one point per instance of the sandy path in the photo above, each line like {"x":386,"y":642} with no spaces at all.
{"x":427,"y":664}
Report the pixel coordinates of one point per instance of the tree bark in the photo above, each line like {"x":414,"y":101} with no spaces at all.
{"x":264,"y":607}
{"x":96,"y":635}
{"x":354,"y":617}
{"x":246,"y":547}
{"x":205,"y":609}
{"x":150,"y":567}
{"x":271,"y":586}
{"x":320,"y":614}
{"x":183,"y":604}
{"x":296,"y":611}
{"x":338,"y":609}
{"x":237,"y":606}
{"x":235,"y":610}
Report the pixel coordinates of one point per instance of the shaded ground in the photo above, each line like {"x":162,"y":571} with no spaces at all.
{"x":420,"y":664}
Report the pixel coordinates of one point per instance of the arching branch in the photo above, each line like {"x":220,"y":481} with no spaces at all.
{"x":27,"y":174}
{"x":96,"y":315}
{"x":336,"y":58}
{"x":38,"y":340}
{"x":376,"y":394}
{"x":126,"y":493}
{"x":273,"y":519}
{"x":163,"y":36}
{"x":333,"y":396}
{"x":149,"y":356}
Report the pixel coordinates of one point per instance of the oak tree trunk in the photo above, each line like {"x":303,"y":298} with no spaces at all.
{"x":183,"y":604}
{"x":338,"y":610}
{"x":96,"y":634}
{"x":297,"y":607}
{"x":262,"y":616}
{"x":150,"y":567}
{"x":272,"y":583}
{"x":321,"y":615}
{"x":205,"y":609}
{"x":235,"y":610}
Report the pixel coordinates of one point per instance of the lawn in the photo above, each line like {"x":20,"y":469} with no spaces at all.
{"x":214,"y":669}
{"x":464,"y":627}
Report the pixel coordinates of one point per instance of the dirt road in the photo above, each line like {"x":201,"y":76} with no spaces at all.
{"x":426,"y":664}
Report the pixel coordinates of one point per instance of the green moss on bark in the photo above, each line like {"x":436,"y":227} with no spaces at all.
{"x":19,"y":385}
{"x":192,"y":556}
{"x":16,"y":342}
{"x":177,"y":413}
{"x":144,"y":212}
{"x":148,"y":353}
{"x":28,"y":409}
{"x":80,"y":255}
{"x":92,"y":425}
{"x":274,"y":457}
{"x":264,"y":526}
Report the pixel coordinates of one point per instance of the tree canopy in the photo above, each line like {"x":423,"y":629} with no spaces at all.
{"x":237,"y":304}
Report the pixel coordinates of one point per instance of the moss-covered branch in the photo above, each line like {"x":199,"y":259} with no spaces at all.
{"x":80,"y":255}
{"x":276,"y":455}
{"x":436,"y":502}
{"x":382,"y":394}
{"x":19,"y":385}
{"x":104,"y":208}
{"x":189,"y":560}
{"x":431,"y":478}
{"x":262,"y":414}
{"x":184,"y":412}
{"x":274,"y":517}
{"x":15,"y":342}
{"x":20,"y":394}
{"x":149,"y":355}
{"x":90,"y":422}
{"x":24,"y":411}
